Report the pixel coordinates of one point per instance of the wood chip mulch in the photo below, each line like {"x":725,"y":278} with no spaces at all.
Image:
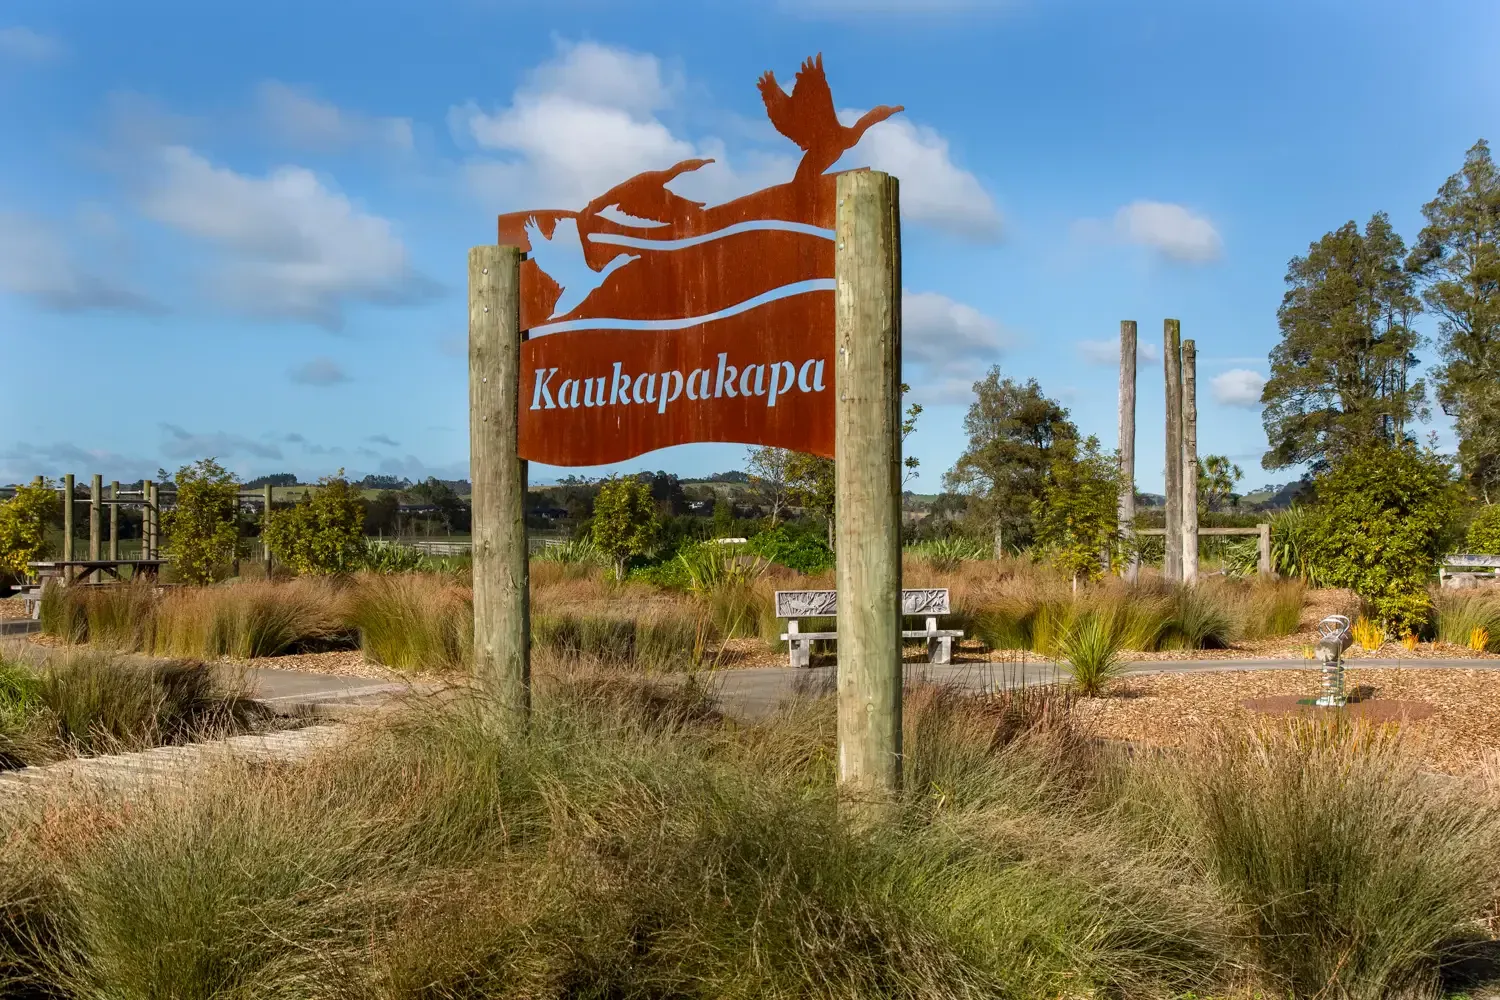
{"x":13,"y":609}
{"x":1460,"y":735}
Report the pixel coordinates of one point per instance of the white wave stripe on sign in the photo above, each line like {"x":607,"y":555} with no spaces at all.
{"x":755,"y":225}
{"x":784,"y":292}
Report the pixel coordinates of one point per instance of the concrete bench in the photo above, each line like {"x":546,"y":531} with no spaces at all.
{"x":794,"y":605}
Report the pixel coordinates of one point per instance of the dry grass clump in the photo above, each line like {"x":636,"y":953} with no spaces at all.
{"x":633,"y":843}
{"x":1466,"y":616}
{"x":414,"y":621}
{"x":89,"y":704}
{"x":252,"y":619}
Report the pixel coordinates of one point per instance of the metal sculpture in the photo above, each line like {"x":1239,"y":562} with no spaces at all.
{"x":655,"y":320}
{"x":1335,"y":634}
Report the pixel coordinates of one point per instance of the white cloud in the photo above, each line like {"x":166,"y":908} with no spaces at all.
{"x":21,"y":461}
{"x":1238,"y":387}
{"x":934,"y":191}
{"x":1171,"y":230}
{"x":1106,"y":353}
{"x":591,"y":117}
{"x":306,"y":121}
{"x":36,"y":263}
{"x":949,"y":342}
{"x":581,"y":123}
{"x":290,"y":247}
{"x":25,"y":45}
{"x":319,"y":371}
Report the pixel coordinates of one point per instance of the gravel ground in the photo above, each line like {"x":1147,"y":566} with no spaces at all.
{"x":1462,"y":735}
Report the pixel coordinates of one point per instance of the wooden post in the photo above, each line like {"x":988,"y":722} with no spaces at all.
{"x":867,"y":453}
{"x":1172,"y":365}
{"x":96,"y":523}
{"x":1127,"y":447}
{"x":153,"y":517}
{"x":265,"y":522}
{"x":37,"y":481}
{"x":67,"y":552}
{"x":502,"y":599}
{"x":114,"y":520}
{"x":1265,"y":550}
{"x":1189,"y":462}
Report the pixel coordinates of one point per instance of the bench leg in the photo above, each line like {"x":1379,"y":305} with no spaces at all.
{"x":799,"y":650}
{"x":940,"y":649}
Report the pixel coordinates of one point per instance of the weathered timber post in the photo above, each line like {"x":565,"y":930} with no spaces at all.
{"x":502,"y":600}
{"x":153,"y":514}
{"x":67,"y":552}
{"x":114,"y":521}
{"x":1189,"y":462}
{"x":37,"y":481}
{"x":96,"y":523}
{"x":867,"y":452}
{"x":1264,"y":567}
{"x":1172,"y":366}
{"x":265,"y":523}
{"x":1127,"y":448}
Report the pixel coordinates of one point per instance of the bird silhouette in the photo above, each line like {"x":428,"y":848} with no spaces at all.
{"x":807,"y":117}
{"x":562,"y":259}
{"x":645,"y":196}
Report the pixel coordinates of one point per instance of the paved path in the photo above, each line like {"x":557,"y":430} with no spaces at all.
{"x":755,"y":692}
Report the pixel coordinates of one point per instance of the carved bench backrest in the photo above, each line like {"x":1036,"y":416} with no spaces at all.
{"x":825,"y":603}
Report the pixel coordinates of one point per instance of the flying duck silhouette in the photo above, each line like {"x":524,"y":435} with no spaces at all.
{"x":645,"y":196}
{"x":561,"y":259}
{"x":807,"y":117}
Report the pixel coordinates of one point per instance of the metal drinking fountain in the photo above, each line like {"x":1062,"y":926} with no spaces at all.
{"x":1335,"y":634}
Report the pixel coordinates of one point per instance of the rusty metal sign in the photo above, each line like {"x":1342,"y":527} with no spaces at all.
{"x":654,"y":320}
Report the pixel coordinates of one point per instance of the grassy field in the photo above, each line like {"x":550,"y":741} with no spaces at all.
{"x":635,"y":844}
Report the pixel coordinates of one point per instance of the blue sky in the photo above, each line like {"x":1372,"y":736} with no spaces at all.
{"x":241,"y":230}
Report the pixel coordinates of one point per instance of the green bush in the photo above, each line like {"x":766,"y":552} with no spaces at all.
{"x":1092,"y":649}
{"x":202,"y":527}
{"x":23,"y":528}
{"x":1484,"y":531}
{"x":324,"y":532}
{"x":625,"y":521}
{"x":1381,"y":520}
{"x":946,"y":554}
{"x":1460,"y":613}
{"x":393,"y":557}
{"x":805,"y":551}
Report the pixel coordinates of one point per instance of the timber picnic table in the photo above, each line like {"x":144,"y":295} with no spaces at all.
{"x":77,"y":571}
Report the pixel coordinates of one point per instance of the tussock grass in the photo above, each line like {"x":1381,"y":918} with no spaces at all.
{"x":414,"y":621}
{"x":1461,"y":613}
{"x":251,"y":619}
{"x":1092,"y":648}
{"x":661,"y":638}
{"x":89,"y":703}
{"x":634,"y":843}
{"x":1349,"y":871}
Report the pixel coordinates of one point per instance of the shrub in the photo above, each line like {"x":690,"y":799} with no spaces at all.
{"x":793,"y":547}
{"x":23,"y":527}
{"x":625,"y":521}
{"x":324,"y":532}
{"x":1484,"y":530}
{"x":1293,"y":544}
{"x":1275,"y":609}
{"x":1382,"y":515}
{"x":1077,"y":516}
{"x":251,"y":619}
{"x":202,"y":528}
{"x":393,"y":557}
{"x":1369,"y":635}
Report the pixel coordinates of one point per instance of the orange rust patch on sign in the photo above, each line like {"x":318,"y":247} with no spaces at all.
{"x":641,"y":305}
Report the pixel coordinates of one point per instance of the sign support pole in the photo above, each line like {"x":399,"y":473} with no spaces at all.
{"x":1132,"y":557}
{"x":867,"y":450}
{"x":502,"y":598}
{"x":1189,"y":462}
{"x":1172,"y":370}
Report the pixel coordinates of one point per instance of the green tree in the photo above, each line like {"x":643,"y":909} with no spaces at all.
{"x":1484,"y":531}
{"x":1077,"y":515}
{"x":770,"y":478}
{"x":23,"y":527}
{"x":1217,"y":477}
{"x":202,"y":528}
{"x":1382,"y":515}
{"x":1457,"y":258}
{"x":1341,"y":376}
{"x":813,"y":482}
{"x":723,"y":520}
{"x":908,"y":424}
{"x":1016,"y":434}
{"x":324,"y":532}
{"x":625,"y":521}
